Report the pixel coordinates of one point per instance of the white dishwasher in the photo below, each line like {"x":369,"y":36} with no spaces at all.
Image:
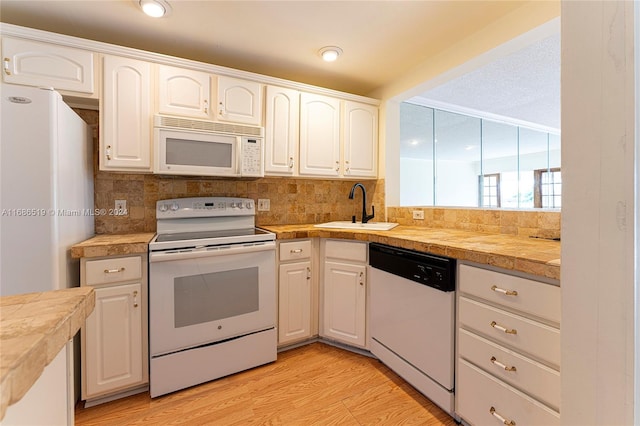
{"x":412,"y":318}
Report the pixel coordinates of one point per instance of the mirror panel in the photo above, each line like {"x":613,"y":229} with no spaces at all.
{"x":457,"y":157}
{"x":456,"y":160}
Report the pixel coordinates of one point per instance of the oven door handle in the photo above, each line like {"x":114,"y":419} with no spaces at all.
{"x":163,"y":256}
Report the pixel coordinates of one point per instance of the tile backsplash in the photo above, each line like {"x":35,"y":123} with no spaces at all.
{"x":527,"y":223}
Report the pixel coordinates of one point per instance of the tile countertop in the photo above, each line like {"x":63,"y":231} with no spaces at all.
{"x":112,"y":245}
{"x":34,"y":327}
{"x":530,"y":255}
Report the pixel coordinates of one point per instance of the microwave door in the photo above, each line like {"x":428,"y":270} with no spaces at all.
{"x":193,"y":153}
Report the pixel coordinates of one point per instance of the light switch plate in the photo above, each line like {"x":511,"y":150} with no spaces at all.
{"x":264,"y":204}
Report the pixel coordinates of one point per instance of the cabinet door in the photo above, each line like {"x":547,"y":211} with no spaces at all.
{"x":319,"y":135}
{"x":294,"y":305}
{"x":125,"y":125}
{"x":360,"y":127}
{"x":344,"y":302}
{"x":239,"y":101}
{"x":41,"y":64}
{"x":113,"y":340}
{"x":184,"y":92}
{"x":282,"y":131}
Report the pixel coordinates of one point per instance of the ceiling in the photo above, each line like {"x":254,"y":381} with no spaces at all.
{"x":522,"y":87}
{"x":381,"y":40}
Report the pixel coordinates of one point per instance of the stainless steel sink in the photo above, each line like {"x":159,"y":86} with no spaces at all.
{"x":374,"y":226}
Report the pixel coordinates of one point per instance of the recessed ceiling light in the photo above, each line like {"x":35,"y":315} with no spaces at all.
{"x":330,"y":53}
{"x":155,"y":8}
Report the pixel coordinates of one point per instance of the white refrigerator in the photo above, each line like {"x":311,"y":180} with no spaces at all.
{"x":46,"y":190}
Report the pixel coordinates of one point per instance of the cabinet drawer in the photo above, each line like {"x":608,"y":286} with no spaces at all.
{"x":521,"y":333}
{"x":477,"y":393}
{"x":118,"y":269}
{"x":346,"y":250}
{"x":531,"y":377}
{"x":529,"y":296}
{"x":295,"y":250}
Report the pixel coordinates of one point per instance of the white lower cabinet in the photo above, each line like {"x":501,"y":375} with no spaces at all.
{"x":114,"y":342}
{"x":508,"y":349}
{"x":295,"y":292}
{"x":344,"y":277}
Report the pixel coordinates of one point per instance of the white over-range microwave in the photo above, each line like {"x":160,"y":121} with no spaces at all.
{"x":207,"y":148}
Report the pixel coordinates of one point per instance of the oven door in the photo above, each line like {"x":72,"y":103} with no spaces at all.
{"x":209,"y":295}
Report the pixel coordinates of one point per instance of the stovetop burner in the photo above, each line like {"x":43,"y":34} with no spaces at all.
{"x":206,"y":221}
{"x":184,"y":236}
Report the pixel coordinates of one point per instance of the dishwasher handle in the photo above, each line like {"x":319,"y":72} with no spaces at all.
{"x":427,"y":269}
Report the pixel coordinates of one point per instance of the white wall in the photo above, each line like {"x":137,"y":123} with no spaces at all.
{"x":598,"y":206}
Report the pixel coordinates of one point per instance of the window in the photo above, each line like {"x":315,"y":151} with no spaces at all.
{"x":490,"y":190}
{"x":547,"y":188}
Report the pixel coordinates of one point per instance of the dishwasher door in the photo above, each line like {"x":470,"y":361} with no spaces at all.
{"x":415,"y":322}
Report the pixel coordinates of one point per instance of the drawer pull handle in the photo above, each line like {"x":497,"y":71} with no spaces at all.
{"x":294,"y":251}
{"x":504,"y":421}
{"x":308,"y":273}
{"x":135,"y":299}
{"x":501,"y":328}
{"x":503,"y":291}
{"x":494,"y":361}
{"x":114,"y":271}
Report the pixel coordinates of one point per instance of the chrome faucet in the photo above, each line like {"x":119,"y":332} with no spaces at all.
{"x":365,"y":217}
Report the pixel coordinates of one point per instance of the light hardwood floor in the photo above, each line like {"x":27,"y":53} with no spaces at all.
{"x":315,"y":384}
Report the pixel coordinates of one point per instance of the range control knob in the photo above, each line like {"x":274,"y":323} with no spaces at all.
{"x":233,"y":205}
{"x":163,"y":208}
{"x":249,"y":205}
{"x":174,"y":207}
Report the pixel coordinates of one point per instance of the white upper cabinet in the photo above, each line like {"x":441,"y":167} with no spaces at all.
{"x":282,"y":118}
{"x":360,"y":138}
{"x":125,"y":115}
{"x":239,"y":101}
{"x":323,"y":152}
{"x":184,"y":92}
{"x":35,"y":63}
{"x":319,"y":135}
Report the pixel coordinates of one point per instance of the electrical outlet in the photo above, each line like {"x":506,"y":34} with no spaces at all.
{"x":120,"y":208}
{"x":418,"y":214}
{"x":264,"y":204}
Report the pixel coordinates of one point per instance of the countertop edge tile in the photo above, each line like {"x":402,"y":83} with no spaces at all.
{"x":112,"y":245}
{"x":537,"y":257}
{"x":26,"y":353}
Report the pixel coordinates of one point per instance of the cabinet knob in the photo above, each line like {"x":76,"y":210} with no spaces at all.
{"x":108,"y":152}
